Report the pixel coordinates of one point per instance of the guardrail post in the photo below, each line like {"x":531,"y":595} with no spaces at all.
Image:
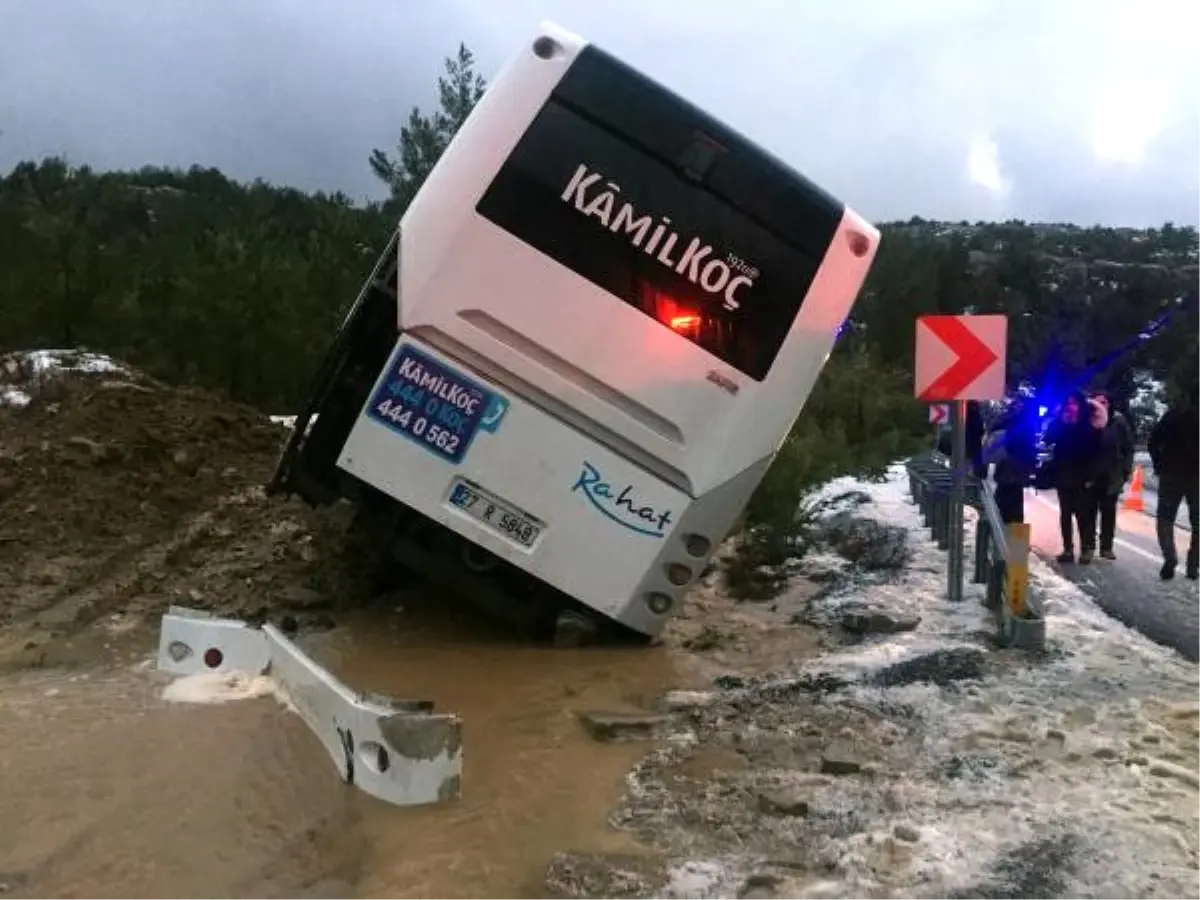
{"x":994,"y":596}
{"x":943,"y":523}
{"x":983,"y":534}
{"x":1001,"y":552}
{"x":1022,"y":628}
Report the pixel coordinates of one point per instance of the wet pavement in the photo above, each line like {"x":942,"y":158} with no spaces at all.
{"x":1150,"y":504}
{"x":1128,"y":589}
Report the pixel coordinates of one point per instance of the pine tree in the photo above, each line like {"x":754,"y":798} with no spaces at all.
{"x":425,"y":138}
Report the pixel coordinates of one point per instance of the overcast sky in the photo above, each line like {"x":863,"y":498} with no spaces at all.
{"x":1083,"y":111}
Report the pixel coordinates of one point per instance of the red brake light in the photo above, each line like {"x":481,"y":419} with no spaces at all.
{"x":685,"y":323}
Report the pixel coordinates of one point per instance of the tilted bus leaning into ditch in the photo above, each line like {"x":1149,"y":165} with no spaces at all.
{"x":585,"y":343}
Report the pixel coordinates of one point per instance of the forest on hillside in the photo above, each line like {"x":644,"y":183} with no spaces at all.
{"x":196,"y":278}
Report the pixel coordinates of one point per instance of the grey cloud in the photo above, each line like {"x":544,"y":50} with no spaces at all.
{"x":876,"y":100}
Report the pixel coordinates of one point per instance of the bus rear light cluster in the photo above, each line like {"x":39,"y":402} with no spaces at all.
{"x":660,"y":604}
{"x":678,"y":574}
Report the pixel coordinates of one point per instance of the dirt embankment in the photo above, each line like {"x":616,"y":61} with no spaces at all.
{"x":121,"y":496}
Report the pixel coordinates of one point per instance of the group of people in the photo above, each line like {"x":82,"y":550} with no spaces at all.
{"x":1091,"y":460}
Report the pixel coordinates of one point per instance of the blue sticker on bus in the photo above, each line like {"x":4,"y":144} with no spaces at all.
{"x":433,"y":405}
{"x":494,"y":415}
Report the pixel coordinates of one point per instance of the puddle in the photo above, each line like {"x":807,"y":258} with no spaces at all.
{"x":109,"y":790}
{"x":533,"y":782}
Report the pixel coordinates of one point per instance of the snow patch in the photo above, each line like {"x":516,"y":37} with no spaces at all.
{"x":24,"y":373}
{"x":218,"y":687}
{"x":14,"y":397}
{"x":1073,"y":768}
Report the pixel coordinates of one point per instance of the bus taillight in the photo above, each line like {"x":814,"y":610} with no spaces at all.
{"x":685,"y":323}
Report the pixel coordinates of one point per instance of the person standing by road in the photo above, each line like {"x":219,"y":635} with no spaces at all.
{"x":1074,"y":443}
{"x":974,"y":429}
{"x":1114,"y":466}
{"x":1012,"y":446}
{"x":1174,"y":447}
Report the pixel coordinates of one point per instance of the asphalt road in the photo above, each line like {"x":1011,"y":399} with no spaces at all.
{"x":1150,"y":499}
{"x":1129,"y":589}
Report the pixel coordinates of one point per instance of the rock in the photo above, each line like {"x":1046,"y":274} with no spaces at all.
{"x":792,"y":689}
{"x":1106,"y":752}
{"x":603,"y":875}
{"x":903,"y":831}
{"x":97,"y":451}
{"x":573,"y":628}
{"x":677,"y":701}
{"x":782,"y":803}
{"x":942,"y":666}
{"x":760,"y":885}
{"x":322,"y":622}
{"x":296,"y":595}
{"x":866,"y":542}
{"x":840,"y":759}
{"x":879,"y":621}
{"x":624,"y":726}
{"x":729,"y":682}
{"x":1163,"y":769}
{"x":8,"y":487}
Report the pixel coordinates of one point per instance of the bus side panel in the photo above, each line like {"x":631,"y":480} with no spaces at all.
{"x":603,"y":520}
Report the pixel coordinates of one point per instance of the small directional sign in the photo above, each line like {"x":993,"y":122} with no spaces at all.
{"x":939,"y":414}
{"x":960,"y":358}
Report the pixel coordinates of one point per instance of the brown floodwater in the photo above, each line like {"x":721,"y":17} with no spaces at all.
{"x":108,"y":790}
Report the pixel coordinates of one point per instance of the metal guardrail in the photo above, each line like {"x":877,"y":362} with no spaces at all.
{"x":999,"y":565}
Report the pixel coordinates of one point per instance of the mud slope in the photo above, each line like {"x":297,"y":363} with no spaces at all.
{"x":121,"y":496}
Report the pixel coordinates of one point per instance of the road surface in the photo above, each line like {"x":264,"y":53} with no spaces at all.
{"x":1128,"y":589}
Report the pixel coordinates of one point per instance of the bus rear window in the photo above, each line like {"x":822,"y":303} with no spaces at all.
{"x":638,"y":227}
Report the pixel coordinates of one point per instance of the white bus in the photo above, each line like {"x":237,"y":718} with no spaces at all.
{"x":591,"y":332}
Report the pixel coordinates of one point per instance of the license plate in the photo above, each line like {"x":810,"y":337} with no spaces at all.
{"x":495,"y":513}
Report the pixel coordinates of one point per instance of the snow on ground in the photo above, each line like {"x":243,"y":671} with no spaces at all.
{"x":213,"y":687}
{"x":15,"y":397}
{"x":23,"y":373}
{"x":993,"y":772}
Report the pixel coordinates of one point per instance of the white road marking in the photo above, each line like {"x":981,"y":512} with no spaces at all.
{"x":1153,"y":557}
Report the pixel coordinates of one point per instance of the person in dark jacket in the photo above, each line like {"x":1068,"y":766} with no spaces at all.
{"x":1012,"y":446}
{"x":1074,"y":441}
{"x":973,"y":435}
{"x":974,"y":440}
{"x":1174,"y":451}
{"x":1114,"y":466}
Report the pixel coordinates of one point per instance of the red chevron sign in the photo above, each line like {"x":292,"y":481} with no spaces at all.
{"x":960,"y":358}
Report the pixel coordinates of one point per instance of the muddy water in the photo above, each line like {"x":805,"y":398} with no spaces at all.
{"x":108,"y":790}
{"x":533,"y":782}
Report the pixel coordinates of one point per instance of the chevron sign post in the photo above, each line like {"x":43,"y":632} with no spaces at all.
{"x":959,"y":358}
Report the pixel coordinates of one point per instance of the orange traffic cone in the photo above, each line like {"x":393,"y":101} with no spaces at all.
{"x":1134,"y":500}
